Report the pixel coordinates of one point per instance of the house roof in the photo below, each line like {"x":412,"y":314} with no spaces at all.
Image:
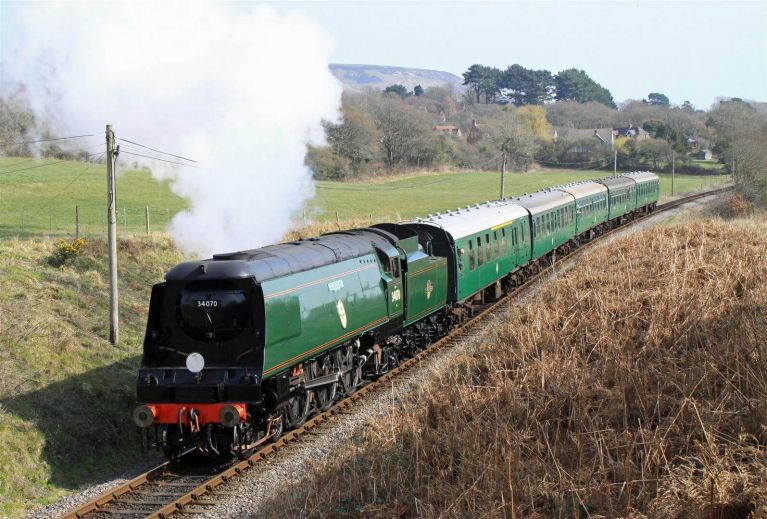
{"x":623,"y":130}
{"x":581,"y":134}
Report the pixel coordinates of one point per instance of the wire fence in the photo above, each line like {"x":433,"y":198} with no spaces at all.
{"x":87,"y":222}
{"x":91,"y":222}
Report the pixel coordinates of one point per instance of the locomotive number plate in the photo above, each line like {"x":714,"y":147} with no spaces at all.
{"x":210,"y":303}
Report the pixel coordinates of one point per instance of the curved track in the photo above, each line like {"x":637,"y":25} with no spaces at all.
{"x":179,"y":488}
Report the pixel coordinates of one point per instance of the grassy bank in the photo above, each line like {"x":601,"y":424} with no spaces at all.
{"x":630,"y":391}
{"x":65,"y":392}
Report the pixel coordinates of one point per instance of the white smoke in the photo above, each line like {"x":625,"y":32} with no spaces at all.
{"x":240,"y":89}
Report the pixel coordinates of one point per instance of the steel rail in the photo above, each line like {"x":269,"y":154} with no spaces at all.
{"x":193,"y":497}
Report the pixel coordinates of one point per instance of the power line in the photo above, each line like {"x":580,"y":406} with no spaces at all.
{"x":32,"y":167}
{"x":158,"y":151}
{"x":44,"y":140}
{"x":482,"y":164}
{"x":83,"y":171}
{"x":157,"y":158}
{"x":609,"y":159}
{"x":88,"y":157}
{"x":27,"y":160}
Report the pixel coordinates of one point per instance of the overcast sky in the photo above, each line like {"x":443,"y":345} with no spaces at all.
{"x":686,"y":50}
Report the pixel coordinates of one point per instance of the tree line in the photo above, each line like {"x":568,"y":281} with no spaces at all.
{"x":522,"y":86}
{"x":399,"y":129}
{"x":740,"y":130}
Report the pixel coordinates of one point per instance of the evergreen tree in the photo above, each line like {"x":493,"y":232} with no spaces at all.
{"x":575,"y":85}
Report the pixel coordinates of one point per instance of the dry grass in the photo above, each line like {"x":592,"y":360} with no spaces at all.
{"x":632,"y":386}
{"x":317,"y":228}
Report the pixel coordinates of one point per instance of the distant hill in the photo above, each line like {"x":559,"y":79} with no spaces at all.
{"x":359,"y":77}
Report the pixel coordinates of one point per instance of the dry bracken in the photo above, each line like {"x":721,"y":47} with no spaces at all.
{"x":632,"y":386}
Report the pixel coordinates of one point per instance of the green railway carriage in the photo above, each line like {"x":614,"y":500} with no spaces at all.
{"x":591,"y":204}
{"x":622,"y":199}
{"x":647,"y":188}
{"x":482,"y":243}
{"x":552,"y":216}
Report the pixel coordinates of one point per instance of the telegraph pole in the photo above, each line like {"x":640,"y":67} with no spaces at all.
{"x":673,"y":170}
{"x":503,"y":174}
{"x":114,"y":333}
{"x":615,"y":163}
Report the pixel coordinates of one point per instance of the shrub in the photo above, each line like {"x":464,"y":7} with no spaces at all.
{"x":66,"y":251}
{"x":327,"y":165}
{"x":737,"y":206}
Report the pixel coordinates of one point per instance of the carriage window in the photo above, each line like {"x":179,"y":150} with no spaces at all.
{"x":488,"y":250}
{"x":505,"y":243}
{"x":471,"y":256}
{"x":497,"y":244}
{"x":480,"y":255}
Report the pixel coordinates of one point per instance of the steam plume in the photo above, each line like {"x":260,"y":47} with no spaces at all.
{"x":239,"y":89}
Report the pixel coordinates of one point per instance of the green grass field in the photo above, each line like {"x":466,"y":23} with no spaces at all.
{"x":41,"y":201}
{"x":409,"y":197}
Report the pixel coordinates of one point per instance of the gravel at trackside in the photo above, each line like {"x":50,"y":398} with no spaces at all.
{"x":282,"y":469}
{"x":79,"y":498}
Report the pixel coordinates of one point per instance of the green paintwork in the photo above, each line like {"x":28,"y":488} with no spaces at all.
{"x":552,"y":228}
{"x":590,"y":211}
{"x":424,"y":279}
{"x":622,"y":201}
{"x":503,"y":249}
{"x":647,"y":192}
{"x":426,"y":286}
{"x":305,"y":312}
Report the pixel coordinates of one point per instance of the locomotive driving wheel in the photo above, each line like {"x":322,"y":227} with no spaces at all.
{"x":324,"y":396}
{"x":298,"y":409}
{"x":351,"y":379}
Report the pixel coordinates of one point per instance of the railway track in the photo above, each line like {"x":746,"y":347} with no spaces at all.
{"x":169,"y":489}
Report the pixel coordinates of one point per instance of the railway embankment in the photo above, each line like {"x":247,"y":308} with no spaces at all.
{"x":64,"y":390}
{"x":631,"y":386}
